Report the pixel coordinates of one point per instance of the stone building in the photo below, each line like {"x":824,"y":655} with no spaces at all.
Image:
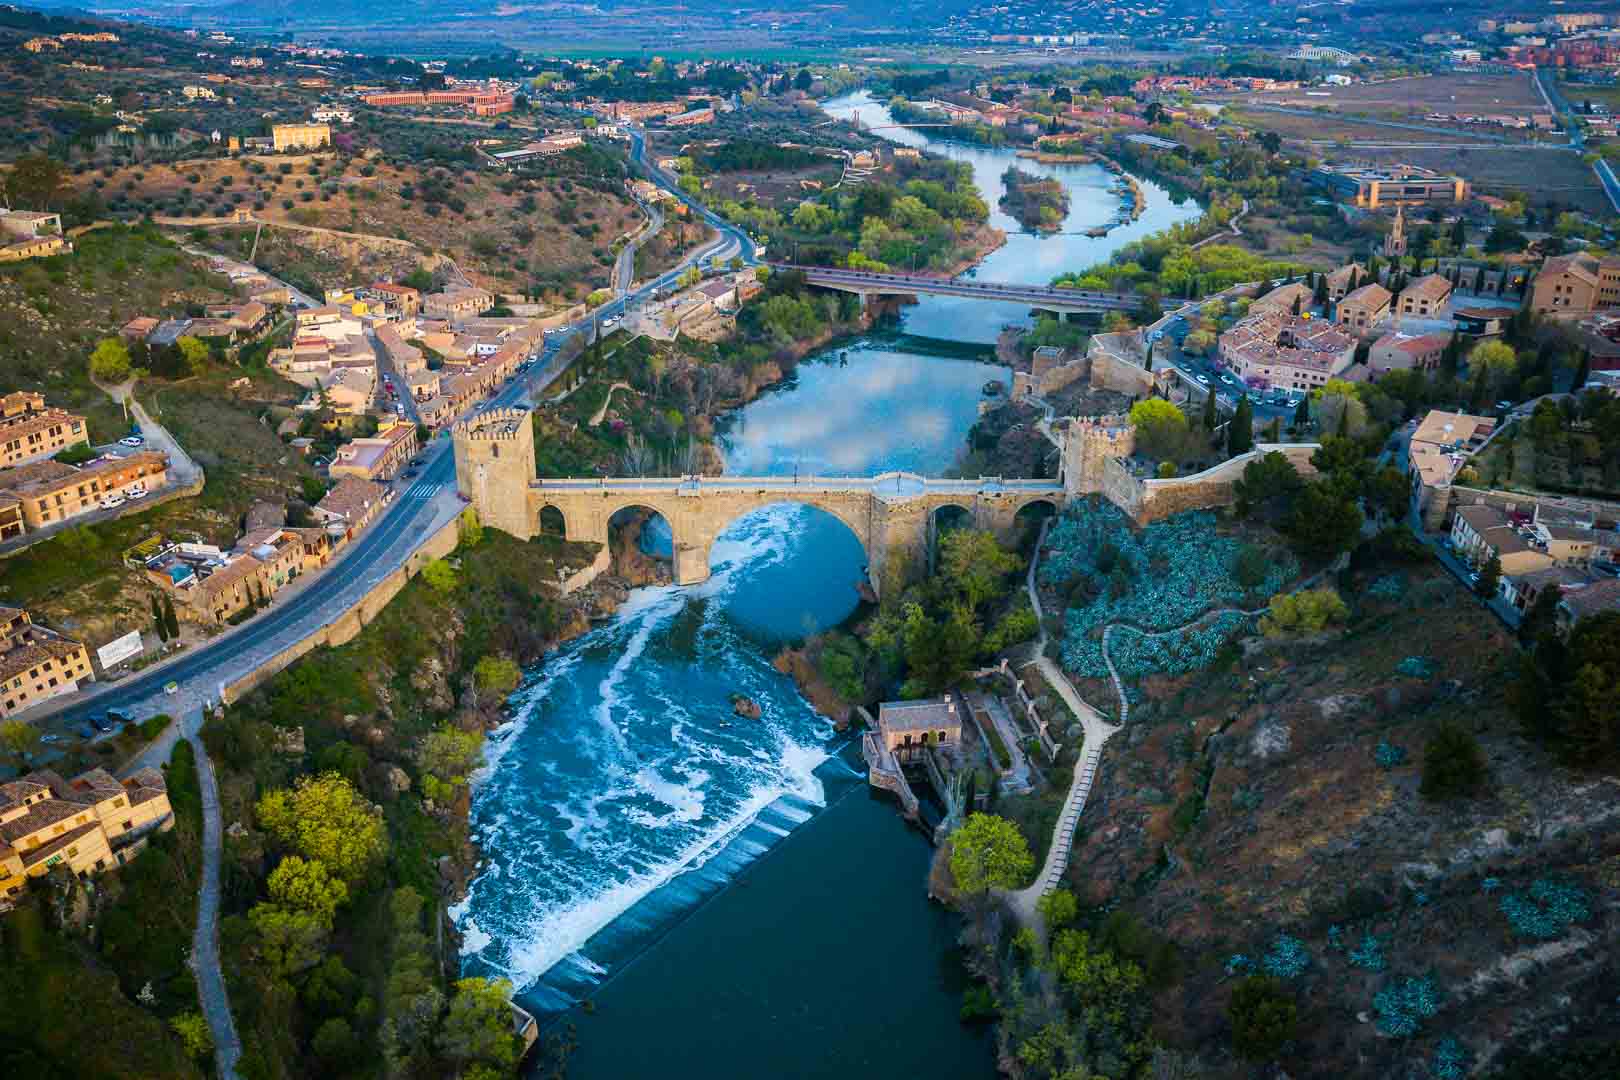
{"x":35,"y":663}
{"x":93,"y":822}
{"x":907,"y":728}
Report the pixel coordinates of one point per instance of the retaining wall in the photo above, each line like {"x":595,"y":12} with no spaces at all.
{"x":348,"y":625}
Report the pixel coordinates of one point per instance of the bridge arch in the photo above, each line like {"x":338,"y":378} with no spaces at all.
{"x":552,"y":520}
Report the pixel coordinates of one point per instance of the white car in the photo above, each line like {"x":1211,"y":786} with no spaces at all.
{"x":132,"y":440}
{"x":1204,"y":379}
{"x":136,"y":493}
{"x":112,"y":501}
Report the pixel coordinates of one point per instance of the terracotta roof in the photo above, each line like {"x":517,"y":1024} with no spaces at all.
{"x":33,"y":647}
{"x":918,"y":715}
{"x":41,"y":815}
{"x":1371,"y":295}
{"x":1430,"y":286}
{"x":1595,"y":599}
{"x":35,"y":856}
{"x":351,"y":497}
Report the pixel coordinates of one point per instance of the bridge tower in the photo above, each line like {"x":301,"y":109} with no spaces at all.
{"x":495,"y":466}
{"x":1088,"y":443}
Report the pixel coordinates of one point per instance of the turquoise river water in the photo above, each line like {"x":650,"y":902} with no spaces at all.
{"x":726,"y":892}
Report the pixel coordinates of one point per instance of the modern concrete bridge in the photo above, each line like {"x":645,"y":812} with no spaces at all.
{"x":894,"y":515}
{"x":1043,"y":297}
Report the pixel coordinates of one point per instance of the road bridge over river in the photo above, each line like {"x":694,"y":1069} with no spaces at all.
{"x":894,"y":515}
{"x":1041,"y":297}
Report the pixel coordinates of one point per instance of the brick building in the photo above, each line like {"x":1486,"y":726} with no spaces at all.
{"x":90,"y":823}
{"x":36,"y":663}
{"x":29,"y":431}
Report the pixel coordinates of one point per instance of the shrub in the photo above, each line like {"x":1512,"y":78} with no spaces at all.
{"x":1403,"y":1005}
{"x":1307,"y":612}
{"x":1550,"y":909}
{"x":1453,"y":764}
{"x":1287,"y":958}
{"x":1388,"y":755}
{"x":1263,"y":1017}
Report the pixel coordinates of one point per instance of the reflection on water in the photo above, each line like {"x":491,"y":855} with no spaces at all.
{"x":864,"y":408}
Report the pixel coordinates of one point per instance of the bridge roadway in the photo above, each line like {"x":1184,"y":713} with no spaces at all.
{"x":891,"y":485}
{"x":1043,"y":297}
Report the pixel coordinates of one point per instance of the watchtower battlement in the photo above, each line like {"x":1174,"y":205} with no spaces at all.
{"x":1088,"y":443}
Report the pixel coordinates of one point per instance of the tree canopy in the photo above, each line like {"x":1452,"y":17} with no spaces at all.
{"x":988,"y":852}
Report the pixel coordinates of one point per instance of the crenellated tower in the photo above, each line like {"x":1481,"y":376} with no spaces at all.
{"x":495,"y":466}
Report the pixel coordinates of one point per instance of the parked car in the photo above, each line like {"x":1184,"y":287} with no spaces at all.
{"x":101,"y":722}
{"x":1204,"y":379}
{"x":112,"y":502}
{"x":171,"y":687}
{"x":119,"y":716}
{"x":132,"y":440}
{"x":136,"y":493}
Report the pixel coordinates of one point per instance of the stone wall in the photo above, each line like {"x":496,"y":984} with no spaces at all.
{"x":347,"y":626}
{"x":1150,"y":500}
{"x":587,"y":574}
{"x":1118,"y":363}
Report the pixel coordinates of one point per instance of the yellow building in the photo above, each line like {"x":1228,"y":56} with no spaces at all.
{"x":301,"y":136}
{"x":36,"y":663}
{"x":93,"y":822}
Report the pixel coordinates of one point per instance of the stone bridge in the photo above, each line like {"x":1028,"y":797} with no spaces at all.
{"x":893,"y":515}
{"x":867,"y":283}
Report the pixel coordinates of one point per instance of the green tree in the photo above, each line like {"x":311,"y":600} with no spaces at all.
{"x":938,"y":651}
{"x":19,"y":738}
{"x":1095,"y":975}
{"x":1263,"y":1016}
{"x":1321,"y":523}
{"x":842,"y":663}
{"x":1542,"y":618}
{"x":1493,"y":356}
{"x":1161,"y":428}
{"x":988,"y":852}
{"x":170,"y":620}
{"x":1211,"y":420}
{"x":440,"y":576}
{"x":192,"y":1031}
{"x":158,"y":624}
{"x":324,"y":818}
{"x":452,"y":754}
{"x":35,"y":182}
{"x":194,"y":353}
{"x":470,"y":531}
{"x":1268,"y":485}
{"x":497,"y":675}
{"x":1490,"y":577}
{"x":335,"y":1045}
{"x":975,"y":565}
{"x":1057,"y":909}
{"x":478,"y":1028}
{"x":1453,"y":763}
{"x":1302,"y":411}
{"x":1389,"y":493}
{"x":287,"y":941}
{"x":1240,"y":432}
{"x":299,"y":884}
{"x":109,"y":362}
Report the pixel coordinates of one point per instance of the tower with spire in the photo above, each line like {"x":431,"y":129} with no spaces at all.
{"x":1395,"y":242}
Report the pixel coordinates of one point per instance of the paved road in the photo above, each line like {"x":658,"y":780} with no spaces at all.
{"x":216,"y":1005}
{"x":1611,"y":186}
{"x":624,"y":269}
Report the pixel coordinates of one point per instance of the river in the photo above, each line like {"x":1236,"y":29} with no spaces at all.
{"x":726,"y":892}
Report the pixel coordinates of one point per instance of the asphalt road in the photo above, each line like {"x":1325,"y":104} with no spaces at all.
{"x":386,"y":542}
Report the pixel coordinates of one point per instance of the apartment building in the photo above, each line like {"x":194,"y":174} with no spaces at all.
{"x":1370,"y":187}
{"x":380,"y":458}
{"x":11,"y":517}
{"x":1482,"y":531}
{"x":457,"y":303}
{"x":30,"y":431}
{"x":28,"y":234}
{"x":1577,"y":282}
{"x":1437,"y":451}
{"x":300,"y":136}
{"x":1364,"y":308}
{"x":36,"y":663}
{"x":1407,"y":352}
{"x":51,"y":492}
{"x":1424,"y":298}
{"x":352,"y":504}
{"x":1286,"y":351}
{"x":91,"y":823}
{"x":396,"y":301}
{"x":1342,"y":281}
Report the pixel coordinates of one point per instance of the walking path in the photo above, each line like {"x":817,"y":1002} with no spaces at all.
{"x":1097,"y":732}
{"x":1231,"y":230}
{"x":607,"y":402}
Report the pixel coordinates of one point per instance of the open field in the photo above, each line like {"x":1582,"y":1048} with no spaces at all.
{"x":1402,"y":98}
{"x":1334,"y":127}
{"x":1597,"y":93}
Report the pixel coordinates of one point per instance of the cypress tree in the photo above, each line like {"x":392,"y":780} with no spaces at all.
{"x":1321,"y":295}
{"x":1583,"y":370}
{"x":158,"y":624}
{"x":1302,"y":411}
{"x":1459,"y":235}
{"x":1296,"y":306}
{"x":1240,"y":432}
{"x":169,"y":619}
{"x":1209,"y":411}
